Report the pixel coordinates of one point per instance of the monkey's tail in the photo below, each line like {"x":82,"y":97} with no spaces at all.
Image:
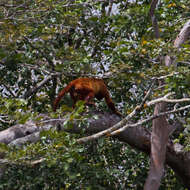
{"x":111,"y":105}
{"x":60,"y":95}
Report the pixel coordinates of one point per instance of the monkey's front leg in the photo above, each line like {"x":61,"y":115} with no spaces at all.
{"x":88,"y":99}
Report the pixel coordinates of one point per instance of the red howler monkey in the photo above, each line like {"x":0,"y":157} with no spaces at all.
{"x":86,"y":89}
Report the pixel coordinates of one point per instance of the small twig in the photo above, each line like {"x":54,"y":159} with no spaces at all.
{"x":166,"y":76}
{"x":9,"y":90}
{"x":40,"y":85}
{"x":147,"y":94}
{"x":2,"y":120}
{"x":36,"y":161}
{"x":50,"y":120}
{"x":184,"y":62}
{"x":32,"y":163}
{"x":110,"y":8}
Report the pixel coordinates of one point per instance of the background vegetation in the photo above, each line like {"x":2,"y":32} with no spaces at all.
{"x":45,"y":44}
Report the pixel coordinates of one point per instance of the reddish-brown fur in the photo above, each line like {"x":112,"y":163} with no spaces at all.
{"x":86,"y":89}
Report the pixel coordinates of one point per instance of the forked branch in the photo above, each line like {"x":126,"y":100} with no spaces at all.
{"x":123,"y":124}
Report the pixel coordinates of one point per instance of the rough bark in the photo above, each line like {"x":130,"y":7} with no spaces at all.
{"x":160,"y":131}
{"x":159,"y":140}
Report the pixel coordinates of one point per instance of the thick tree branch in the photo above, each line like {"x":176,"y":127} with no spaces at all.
{"x":111,"y":132}
{"x":182,"y":37}
{"x":138,"y":137}
{"x":160,"y":130}
{"x":123,"y":124}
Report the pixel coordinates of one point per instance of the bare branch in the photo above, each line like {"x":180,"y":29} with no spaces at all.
{"x":3,"y":120}
{"x":147,"y":94}
{"x":152,"y":7}
{"x":166,"y":76}
{"x":30,"y":163}
{"x":9,"y":90}
{"x":32,"y":91}
{"x":116,"y":129}
{"x":153,"y":18}
{"x":180,"y":39}
{"x":165,"y":99}
{"x":110,"y":8}
{"x":149,"y":119}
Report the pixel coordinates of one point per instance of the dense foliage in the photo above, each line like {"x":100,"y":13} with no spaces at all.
{"x":100,"y":165}
{"x":56,"y":41}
